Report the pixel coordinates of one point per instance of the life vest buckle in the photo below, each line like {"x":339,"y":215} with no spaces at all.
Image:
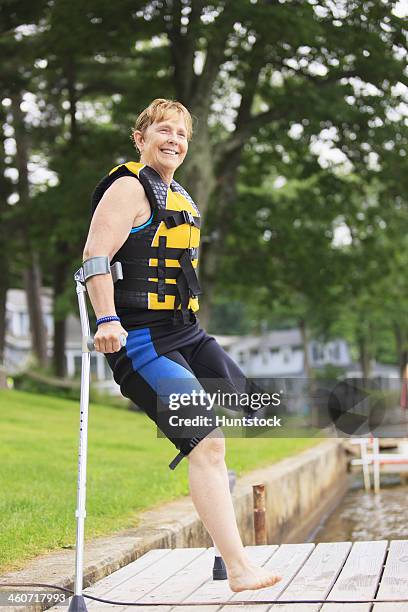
{"x":188,"y":217}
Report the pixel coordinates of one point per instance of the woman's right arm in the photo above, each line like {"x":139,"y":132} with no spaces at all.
{"x":111,"y":223}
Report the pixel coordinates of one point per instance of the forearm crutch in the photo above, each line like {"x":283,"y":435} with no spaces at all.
{"x":78,"y":602}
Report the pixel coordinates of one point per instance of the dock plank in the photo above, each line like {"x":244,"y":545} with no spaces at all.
{"x":103,"y":587}
{"x":140,"y":584}
{"x":316,"y":577}
{"x":286,"y":562}
{"x":348,"y":607}
{"x":218,"y":590}
{"x":180,"y":585}
{"x":359,"y":577}
{"x":394,"y":581}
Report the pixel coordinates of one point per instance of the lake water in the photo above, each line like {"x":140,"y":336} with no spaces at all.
{"x":367,"y":516}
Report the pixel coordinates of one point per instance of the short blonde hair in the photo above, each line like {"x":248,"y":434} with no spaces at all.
{"x":156,"y":111}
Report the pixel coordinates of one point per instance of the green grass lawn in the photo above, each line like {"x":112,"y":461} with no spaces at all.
{"x":127,"y":471}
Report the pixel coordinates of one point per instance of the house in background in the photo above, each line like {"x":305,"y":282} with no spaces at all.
{"x":275,"y":354}
{"x":280,"y":353}
{"x":18,"y":341}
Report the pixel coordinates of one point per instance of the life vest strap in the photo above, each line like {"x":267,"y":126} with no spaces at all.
{"x":182,"y":299}
{"x":140,"y":269}
{"x":174,"y":218}
{"x":161,"y":269}
{"x":190,"y":274}
{"x":173,"y":464}
{"x":140,"y":285}
{"x":140,"y":251}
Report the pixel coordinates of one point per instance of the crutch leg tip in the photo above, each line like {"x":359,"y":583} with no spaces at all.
{"x":219,"y":569}
{"x":77,"y":604}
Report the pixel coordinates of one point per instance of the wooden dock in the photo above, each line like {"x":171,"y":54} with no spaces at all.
{"x":328,"y":571}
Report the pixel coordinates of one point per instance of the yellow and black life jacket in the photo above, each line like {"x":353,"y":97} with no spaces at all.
{"x":160,"y":257}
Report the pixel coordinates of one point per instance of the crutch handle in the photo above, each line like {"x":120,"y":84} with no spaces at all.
{"x":91,"y":346}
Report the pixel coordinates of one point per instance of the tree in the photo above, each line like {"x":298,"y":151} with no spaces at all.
{"x":72,"y":74}
{"x":271,"y":53}
{"x":15,"y":78}
{"x":6,"y":241}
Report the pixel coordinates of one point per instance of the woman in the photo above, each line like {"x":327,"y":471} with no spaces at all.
{"x":151,"y":226}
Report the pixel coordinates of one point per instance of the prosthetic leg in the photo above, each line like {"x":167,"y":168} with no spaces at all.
{"x":78,"y":602}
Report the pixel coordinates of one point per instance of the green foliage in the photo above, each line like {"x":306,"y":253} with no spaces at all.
{"x":30,"y":383}
{"x":228,"y":317}
{"x":41,"y":382}
{"x":329,"y":372}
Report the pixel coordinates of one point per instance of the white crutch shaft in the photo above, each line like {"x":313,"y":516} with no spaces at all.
{"x":83,"y":442}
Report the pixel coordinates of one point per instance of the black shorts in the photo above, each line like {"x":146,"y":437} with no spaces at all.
{"x":161,"y":353}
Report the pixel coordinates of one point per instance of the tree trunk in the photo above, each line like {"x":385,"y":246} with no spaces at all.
{"x":364,"y":356}
{"x":214,"y":246}
{"x":198,"y":173}
{"x":58,"y":358}
{"x":60,"y":270}
{"x":32,"y":274}
{"x":305,"y":343}
{"x":4,"y":234}
{"x":4,"y":285}
{"x":32,"y":285}
{"x":401,"y":346}
{"x":310,"y":386}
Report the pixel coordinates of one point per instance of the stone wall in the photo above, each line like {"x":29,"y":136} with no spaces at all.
{"x":299,"y":491}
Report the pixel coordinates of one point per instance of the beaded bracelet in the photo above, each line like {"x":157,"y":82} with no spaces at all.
{"x":107,"y":319}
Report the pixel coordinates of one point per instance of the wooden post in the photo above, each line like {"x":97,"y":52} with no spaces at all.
{"x":259,"y":514}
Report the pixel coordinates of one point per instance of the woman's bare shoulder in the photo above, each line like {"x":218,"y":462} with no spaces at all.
{"x":125,"y":185}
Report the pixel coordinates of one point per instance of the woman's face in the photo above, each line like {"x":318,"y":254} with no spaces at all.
{"x":163,"y":144}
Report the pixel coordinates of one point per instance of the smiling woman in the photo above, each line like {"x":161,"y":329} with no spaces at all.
{"x":151,"y":226}
{"x":161,"y":132}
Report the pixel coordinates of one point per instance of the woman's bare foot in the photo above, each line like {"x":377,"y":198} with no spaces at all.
{"x":251,"y":577}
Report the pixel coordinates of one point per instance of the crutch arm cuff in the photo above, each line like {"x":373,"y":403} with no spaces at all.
{"x":94,"y":266}
{"x":101,"y":265}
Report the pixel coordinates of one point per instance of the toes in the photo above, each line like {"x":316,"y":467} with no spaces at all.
{"x":273,"y":580}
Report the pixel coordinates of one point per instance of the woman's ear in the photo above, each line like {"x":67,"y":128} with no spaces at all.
{"x":138,"y":140}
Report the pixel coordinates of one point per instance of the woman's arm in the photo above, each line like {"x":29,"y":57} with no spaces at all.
{"x":112,"y":221}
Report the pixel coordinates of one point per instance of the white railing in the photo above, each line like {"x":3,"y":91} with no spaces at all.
{"x":372,"y":459}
